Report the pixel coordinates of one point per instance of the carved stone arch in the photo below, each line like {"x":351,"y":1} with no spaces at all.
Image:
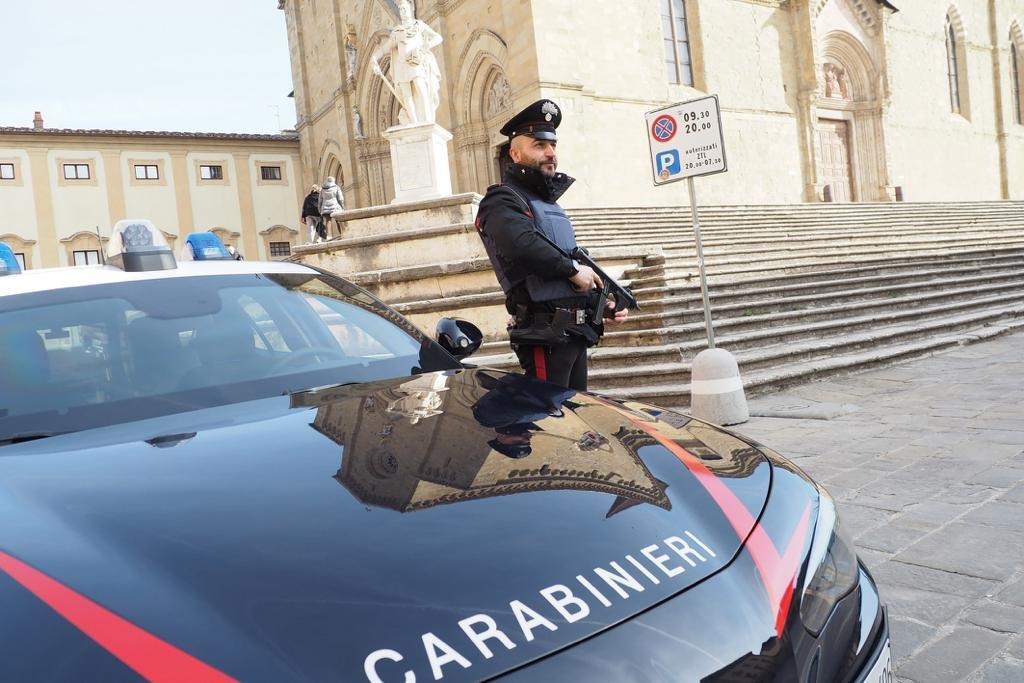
{"x":19,"y":245}
{"x":328,"y":163}
{"x":1017,"y":34}
{"x":485,"y":99}
{"x":855,"y":65}
{"x":379,"y":109}
{"x":494,"y":99}
{"x":850,"y":154}
{"x":867,"y":12}
{"x":954,"y":17}
{"x":484,"y":50}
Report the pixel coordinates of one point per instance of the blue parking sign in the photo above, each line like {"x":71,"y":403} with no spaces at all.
{"x":668,"y":162}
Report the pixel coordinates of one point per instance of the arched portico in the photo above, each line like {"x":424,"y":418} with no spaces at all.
{"x":484,"y":103}
{"x":850,"y":154}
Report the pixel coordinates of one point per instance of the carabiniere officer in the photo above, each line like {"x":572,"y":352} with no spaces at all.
{"x":546,"y":292}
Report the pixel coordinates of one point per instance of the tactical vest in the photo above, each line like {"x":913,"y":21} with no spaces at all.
{"x":550,"y":219}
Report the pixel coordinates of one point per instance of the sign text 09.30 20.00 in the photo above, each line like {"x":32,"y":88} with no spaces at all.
{"x":686,"y":140}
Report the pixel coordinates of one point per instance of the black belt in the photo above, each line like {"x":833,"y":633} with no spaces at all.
{"x":577,"y":316}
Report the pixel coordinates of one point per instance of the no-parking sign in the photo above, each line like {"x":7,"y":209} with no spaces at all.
{"x":686,"y":140}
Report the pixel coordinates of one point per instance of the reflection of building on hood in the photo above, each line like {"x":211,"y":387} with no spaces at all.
{"x":421,"y":399}
{"x":512,"y":407}
{"x":392,"y":461}
{"x":515,"y":399}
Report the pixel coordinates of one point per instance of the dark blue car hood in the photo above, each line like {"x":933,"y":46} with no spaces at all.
{"x":462,"y":523}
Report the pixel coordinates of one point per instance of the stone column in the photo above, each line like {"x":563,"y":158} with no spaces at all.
{"x":115,"y":185}
{"x":46,"y":226}
{"x":182,"y":193}
{"x":246,"y":207}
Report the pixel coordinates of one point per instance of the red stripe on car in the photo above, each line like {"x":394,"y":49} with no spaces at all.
{"x":147,"y":655}
{"x":778,"y":572}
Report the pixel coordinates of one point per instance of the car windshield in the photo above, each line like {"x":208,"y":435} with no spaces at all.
{"x":84,"y":357}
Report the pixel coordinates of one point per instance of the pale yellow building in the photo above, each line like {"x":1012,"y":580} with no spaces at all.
{"x":60,"y":187}
{"x":852,"y":100}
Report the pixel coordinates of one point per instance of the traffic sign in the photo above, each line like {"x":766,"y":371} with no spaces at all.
{"x":664,"y":128}
{"x":686,"y":140}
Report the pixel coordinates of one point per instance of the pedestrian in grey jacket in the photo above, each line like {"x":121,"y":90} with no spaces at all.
{"x":331,"y":199}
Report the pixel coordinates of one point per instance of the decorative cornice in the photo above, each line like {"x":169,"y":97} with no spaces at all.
{"x":102,"y":132}
{"x":769,"y":3}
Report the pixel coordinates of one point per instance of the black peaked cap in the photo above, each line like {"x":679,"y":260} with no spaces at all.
{"x":539,"y":121}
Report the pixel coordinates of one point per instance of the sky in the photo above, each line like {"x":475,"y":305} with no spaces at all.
{"x":217,"y":66}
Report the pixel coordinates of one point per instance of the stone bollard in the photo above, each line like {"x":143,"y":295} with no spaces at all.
{"x":716,"y":392}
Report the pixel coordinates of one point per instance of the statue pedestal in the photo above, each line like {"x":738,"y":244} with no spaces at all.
{"x":419,"y":161}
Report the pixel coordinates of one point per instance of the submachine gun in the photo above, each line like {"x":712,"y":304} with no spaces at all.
{"x":610,"y":288}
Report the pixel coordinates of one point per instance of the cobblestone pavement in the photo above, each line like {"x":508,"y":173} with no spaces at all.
{"x":926,"y":459}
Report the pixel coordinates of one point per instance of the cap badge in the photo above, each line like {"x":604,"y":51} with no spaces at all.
{"x":549,"y":110}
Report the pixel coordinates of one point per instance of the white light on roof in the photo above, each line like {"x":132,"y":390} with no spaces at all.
{"x":136,"y":244}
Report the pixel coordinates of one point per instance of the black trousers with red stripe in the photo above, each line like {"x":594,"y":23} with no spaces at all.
{"x":565,"y":364}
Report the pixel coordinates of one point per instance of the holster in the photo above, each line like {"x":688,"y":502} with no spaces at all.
{"x":540,"y":329}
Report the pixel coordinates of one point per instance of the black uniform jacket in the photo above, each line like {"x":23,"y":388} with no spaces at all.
{"x":502,"y":216}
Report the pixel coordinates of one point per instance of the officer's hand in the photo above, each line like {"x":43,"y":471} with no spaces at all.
{"x":585,"y":279}
{"x":619,"y":317}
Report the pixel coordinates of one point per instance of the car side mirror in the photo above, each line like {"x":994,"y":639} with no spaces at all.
{"x":460,"y":338}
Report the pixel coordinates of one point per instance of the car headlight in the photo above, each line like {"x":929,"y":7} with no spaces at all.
{"x":832,"y":570}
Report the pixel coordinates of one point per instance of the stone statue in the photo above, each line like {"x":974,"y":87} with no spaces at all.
{"x":415,"y":77}
{"x":351,"y":62}
{"x":357,"y":123}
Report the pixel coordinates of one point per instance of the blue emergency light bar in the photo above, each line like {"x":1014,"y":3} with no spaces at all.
{"x":8,"y":261}
{"x":205,"y":246}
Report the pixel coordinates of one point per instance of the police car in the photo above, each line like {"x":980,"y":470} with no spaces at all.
{"x":219,"y":470}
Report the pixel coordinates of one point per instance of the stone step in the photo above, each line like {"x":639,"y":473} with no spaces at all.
{"x":667,"y":376}
{"x":798,"y":210}
{"x":668,"y":370}
{"x":661,"y":345}
{"x":737,"y":270}
{"x":675,"y":222}
{"x":674,"y":310}
{"x":735,"y":241}
{"x":775,"y":328}
{"x":809,"y":282}
{"x":674,"y":395}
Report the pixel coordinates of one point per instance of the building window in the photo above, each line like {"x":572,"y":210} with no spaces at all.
{"x":280,"y":249}
{"x":1018,"y":91}
{"x":6,"y":171}
{"x":76,"y":172}
{"x":20,"y":258}
{"x":270,"y":172}
{"x":677,"y":42}
{"x":211,"y":172}
{"x":147,"y":172}
{"x":955,"y":68}
{"x":86,"y":257}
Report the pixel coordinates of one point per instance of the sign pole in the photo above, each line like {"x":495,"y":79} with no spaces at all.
{"x":700,"y":264}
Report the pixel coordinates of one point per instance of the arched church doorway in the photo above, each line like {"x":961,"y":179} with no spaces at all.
{"x":850,"y":143}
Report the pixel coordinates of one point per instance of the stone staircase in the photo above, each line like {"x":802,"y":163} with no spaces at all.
{"x":802,"y":291}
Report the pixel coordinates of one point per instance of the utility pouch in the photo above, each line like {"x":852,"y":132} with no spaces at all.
{"x":542,"y":329}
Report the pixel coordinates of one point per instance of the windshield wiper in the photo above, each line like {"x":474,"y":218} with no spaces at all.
{"x":22,"y":437}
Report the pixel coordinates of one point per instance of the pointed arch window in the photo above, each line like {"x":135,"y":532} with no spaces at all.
{"x":1018,"y":91}
{"x":953,"y":66}
{"x":676,"y":39}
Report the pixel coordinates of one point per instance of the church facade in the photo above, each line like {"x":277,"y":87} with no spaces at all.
{"x":822,"y":100}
